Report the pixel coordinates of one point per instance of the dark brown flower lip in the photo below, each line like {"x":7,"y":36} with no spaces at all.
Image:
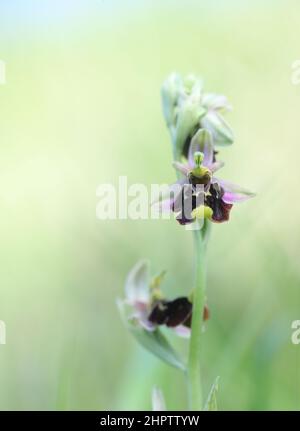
{"x":174,"y":313}
{"x":188,"y":199}
{"x":171,"y":313}
{"x":221,"y":210}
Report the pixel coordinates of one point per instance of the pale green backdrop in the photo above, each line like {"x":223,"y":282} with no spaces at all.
{"x":81,"y":107}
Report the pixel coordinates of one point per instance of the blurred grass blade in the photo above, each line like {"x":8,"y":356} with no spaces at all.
{"x":211,"y":402}
{"x":158,"y":400}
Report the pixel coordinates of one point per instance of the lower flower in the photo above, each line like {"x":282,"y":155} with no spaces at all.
{"x":150,"y":309}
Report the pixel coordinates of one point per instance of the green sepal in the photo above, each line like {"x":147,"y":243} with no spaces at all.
{"x":153,"y":341}
{"x":220,"y":130}
{"x":156,"y":343}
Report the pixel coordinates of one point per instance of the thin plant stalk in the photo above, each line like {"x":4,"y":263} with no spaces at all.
{"x":195,"y":347}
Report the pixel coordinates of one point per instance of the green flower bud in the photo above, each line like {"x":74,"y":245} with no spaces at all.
{"x":181,"y":99}
{"x":170,"y":92}
{"x":190,"y":82}
{"x":188,"y":120}
{"x":187,"y":110}
{"x":220,"y":130}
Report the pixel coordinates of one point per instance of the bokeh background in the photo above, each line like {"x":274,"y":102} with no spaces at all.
{"x":81,"y":106}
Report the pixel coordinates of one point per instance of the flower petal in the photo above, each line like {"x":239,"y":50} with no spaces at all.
{"x":234,"y":193}
{"x":163,"y":203}
{"x":216,"y":166}
{"x":137,"y":283}
{"x":137,"y":312}
{"x":180,"y":167}
{"x":182,"y":331}
{"x":202,"y":141}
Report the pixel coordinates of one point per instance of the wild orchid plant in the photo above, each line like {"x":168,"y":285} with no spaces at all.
{"x":198,"y":198}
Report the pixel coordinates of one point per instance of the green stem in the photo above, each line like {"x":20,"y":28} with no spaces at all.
{"x":194,"y":366}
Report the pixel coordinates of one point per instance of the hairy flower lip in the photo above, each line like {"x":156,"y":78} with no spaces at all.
{"x":214,"y":200}
{"x":171,"y":313}
{"x":175,"y":313}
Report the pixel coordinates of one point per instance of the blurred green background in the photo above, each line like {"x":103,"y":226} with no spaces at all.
{"x":81,"y":107}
